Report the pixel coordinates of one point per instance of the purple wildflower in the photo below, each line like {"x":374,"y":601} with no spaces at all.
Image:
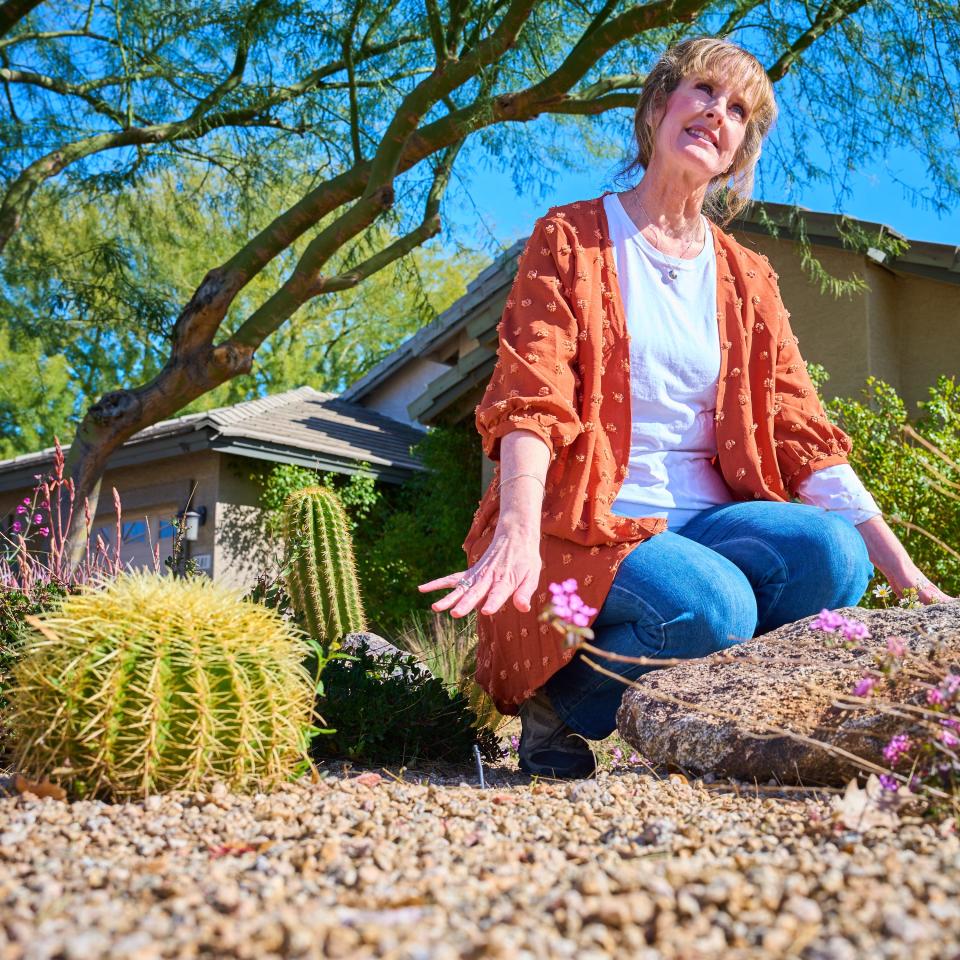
{"x":17,"y":526}
{"x":617,"y":754}
{"x":948,"y":739}
{"x":889,"y":782}
{"x":951,"y":683}
{"x":44,"y":531}
{"x":633,"y":758}
{"x":864,"y":686}
{"x":21,"y":509}
{"x":896,"y":748}
{"x":37,"y":517}
{"x":26,"y":500}
{"x":514,"y":742}
{"x":935,"y":696}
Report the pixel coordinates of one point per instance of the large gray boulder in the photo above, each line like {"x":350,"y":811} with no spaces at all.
{"x":788,"y":678}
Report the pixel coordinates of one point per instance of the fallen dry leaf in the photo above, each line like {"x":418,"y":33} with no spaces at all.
{"x":368,"y":779}
{"x":41,"y":788}
{"x":861,"y":809}
{"x":679,"y":778}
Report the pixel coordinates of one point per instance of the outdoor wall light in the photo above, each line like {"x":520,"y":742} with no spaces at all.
{"x":192,"y":521}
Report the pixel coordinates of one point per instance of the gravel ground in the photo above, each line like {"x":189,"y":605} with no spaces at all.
{"x":430,"y":866}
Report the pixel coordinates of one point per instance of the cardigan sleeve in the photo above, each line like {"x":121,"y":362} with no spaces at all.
{"x":805,"y":439}
{"x":533,"y":385}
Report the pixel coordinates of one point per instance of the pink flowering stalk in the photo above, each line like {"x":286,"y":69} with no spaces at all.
{"x":832,"y":622}
{"x":568,"y":613}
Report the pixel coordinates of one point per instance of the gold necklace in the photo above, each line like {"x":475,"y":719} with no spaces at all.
{"x":672,"y":272}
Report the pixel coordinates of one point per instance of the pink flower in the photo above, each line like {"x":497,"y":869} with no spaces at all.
{"x":37,"y":517}
{"x":896,"y":748}
{"x":827,"y":620}
{"x":948,"y":739}
{"x":896,"y":646}
{"x":617,"y":754}
{"x":26,"y":500}
{"x":854,"y":630}
{"x":569,"y":585}
{"x":934,"y":697}
{"x":864,"y":686}
{"x":17,"y":526}
{"x":633,"y":758}
{"x":21,"y":509}
{"x":44,"y":531}
{"x":514,"y":742}
{"x":951,"y":683}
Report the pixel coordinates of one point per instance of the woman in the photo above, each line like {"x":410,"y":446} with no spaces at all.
{"x":615,"y":409}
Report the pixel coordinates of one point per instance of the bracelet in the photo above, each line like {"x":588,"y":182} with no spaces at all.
{"x":514,"y":477}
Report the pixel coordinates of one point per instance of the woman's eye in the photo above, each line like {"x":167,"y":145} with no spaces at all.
{"x":743,"y":112}
{"x":704,"y":86}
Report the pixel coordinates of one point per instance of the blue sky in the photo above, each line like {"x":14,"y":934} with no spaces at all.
{"x":497,"y":208}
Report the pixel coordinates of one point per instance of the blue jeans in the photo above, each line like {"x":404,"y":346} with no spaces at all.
{"x":735,"y":571}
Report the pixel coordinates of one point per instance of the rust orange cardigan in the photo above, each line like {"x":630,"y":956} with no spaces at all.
{"x":563,"y":372}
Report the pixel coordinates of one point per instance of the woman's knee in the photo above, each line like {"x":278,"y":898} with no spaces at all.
{"x":719,"y":615}
{"x":840,"y":556}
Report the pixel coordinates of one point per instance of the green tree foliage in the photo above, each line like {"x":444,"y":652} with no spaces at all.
{"x":88,"y":302}
{"x":36,"y":397}
{"x":912,"y":469}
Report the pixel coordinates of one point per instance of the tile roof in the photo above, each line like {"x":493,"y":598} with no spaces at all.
{"x":304,"y":420}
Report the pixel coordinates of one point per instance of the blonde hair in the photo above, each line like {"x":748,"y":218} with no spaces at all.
{"x":712,"y":58}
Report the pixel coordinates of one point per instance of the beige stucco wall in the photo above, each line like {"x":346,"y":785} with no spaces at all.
{"x":243,"y":549}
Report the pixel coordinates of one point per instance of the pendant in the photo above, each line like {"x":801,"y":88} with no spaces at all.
{"x":672,"y":274}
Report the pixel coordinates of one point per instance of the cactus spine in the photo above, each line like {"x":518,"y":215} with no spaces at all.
{"x":322,"y":574}
{"x":152,"y":683}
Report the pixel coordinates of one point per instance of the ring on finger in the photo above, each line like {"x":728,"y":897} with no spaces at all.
{"x":465,"y":582}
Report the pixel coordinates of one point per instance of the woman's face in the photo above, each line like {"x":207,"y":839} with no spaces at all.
{"x":701,"y":127}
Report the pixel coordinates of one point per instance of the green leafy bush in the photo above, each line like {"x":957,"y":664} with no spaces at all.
{"x":448,"y":649}
{"x":385,"y":709}
{"x":912,"y":470}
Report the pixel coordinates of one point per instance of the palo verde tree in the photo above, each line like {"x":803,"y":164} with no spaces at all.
{"x":377,"y":101}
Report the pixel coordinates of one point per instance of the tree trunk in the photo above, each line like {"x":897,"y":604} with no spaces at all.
{"x":117,"y":416}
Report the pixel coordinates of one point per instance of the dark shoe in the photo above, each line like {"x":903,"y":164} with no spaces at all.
{"x":548,"y":747}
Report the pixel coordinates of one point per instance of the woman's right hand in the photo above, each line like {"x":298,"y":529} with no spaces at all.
{"x":510,"y":565}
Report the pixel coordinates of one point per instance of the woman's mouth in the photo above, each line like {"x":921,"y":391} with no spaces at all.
{"x":698,"y":133}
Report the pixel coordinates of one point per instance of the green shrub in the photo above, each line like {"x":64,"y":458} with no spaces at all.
{"x":153,"y":683}
{"x":448,"y":649}
{"x":387,"y":710}
{"x":916,"y":488}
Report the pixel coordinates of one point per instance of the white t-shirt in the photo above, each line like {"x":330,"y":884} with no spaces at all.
{"x":674,"y":374}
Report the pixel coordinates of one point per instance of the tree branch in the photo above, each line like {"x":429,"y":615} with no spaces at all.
{"x":299,"y":287}
{"x":13,"y":11}
{"x":828,"y":18}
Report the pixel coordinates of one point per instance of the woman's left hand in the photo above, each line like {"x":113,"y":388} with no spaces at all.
{"x":927,"y":592}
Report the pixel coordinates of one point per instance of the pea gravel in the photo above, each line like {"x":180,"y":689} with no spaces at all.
{"x":360,"y":865}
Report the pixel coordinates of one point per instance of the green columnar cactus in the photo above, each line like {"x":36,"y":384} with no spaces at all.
{"x":322,"y":576}
{"x":153,"y":683}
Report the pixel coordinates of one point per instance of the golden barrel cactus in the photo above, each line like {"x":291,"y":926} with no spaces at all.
{"x":151,"y":683}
